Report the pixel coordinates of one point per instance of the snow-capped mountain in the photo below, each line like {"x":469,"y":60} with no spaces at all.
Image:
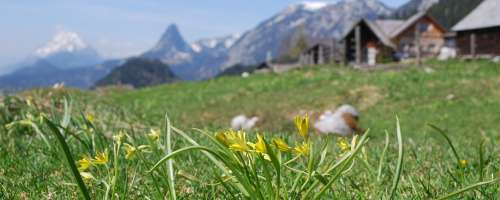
{"x":207,"y":57}
{"x":317,"y":19}
{"x":172,"y":49}
{"x":66,"y":58}
{"x":67,"y":50}
{"x":217,"y":44}
{"x":197,"y":60}
{"x":62,"y":42}
{"x":333,"y":20}
{"x":269,"y":36}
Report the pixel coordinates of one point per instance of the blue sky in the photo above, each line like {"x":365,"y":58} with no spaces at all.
{"x":118,"y":28}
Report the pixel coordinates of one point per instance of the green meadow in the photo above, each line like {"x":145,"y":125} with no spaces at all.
{"x":173,"y":141}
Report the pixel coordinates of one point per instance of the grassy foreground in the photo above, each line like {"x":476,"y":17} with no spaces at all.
{"x":463,"y":99}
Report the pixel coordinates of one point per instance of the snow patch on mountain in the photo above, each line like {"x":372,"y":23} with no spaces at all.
{"x":63,"y":41}
{"x":314,"y":5}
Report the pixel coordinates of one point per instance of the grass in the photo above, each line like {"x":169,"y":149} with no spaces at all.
{"x":460,"y":100}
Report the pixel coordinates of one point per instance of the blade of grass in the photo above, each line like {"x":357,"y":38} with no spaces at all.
{"x":382,"y":157}
{"x":218,"y":163}
{"x":69,"y":158}
{"x":399,"y":167}
{"x":481,"y":160}
{"x":470,"y":187}
{"x":341,"y":165}
{"x":443,"y":133}
{"x":67,"y":114}
{"x":170,"y":166}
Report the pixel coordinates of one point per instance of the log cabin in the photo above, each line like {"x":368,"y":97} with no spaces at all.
{"x":478,"y":34}
{"x":322,"y":52}
{"x":371,"y":42}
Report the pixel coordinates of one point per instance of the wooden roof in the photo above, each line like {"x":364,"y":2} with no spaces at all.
{"x":388,"y":29}
{"x":412,"y":20}
{"x":381,"y":35}
{"x":484,"y":16}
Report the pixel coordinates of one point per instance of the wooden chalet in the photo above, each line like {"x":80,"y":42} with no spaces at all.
{"x":478,"y":34}
{"x":371,"y":42}
{"x":322,"y":52}
{"x":366,"y":43}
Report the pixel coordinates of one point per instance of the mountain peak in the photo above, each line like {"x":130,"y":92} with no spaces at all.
{"x":63,"y":41}
{"x":172,"y":38}
{"x":172,"y":48}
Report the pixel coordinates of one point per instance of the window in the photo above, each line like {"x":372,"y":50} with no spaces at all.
{"x":423,"y":27}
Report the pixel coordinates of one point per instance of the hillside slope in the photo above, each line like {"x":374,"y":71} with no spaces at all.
{"x":416,"y":95}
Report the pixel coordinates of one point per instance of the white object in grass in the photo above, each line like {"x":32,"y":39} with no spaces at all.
{"x":342,"y":122}
{"x":241,"y":122}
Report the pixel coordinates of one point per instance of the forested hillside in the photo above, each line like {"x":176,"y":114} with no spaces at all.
{"x":139,"y":72}
{"x":450,"y":12}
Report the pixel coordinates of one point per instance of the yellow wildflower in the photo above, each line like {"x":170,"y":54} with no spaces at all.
{"x":302,"y":124}
{"x":131,"y":150}
{"x":154,"y":135}
{"x":281,"y":145}
{"x":464,"y":162}
{"x":260,"y":145}
{"x":238,"y":141}
{"x":343,"y":144}
{"x":84,"y":163}
{"x":87,"y":177}
{"x":222,"y":138}
{"x":90,"y":117}
{"x":303,"y":149}
{"x":101,"y":158}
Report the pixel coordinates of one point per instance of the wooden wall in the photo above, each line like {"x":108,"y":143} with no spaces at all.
{"x":368,"y":39}
{"x":487,"y":41}
{"x":432,"y":39}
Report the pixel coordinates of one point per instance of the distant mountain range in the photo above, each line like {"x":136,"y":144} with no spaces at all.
{"x":269,"y":38}
{"x":67,"y":58}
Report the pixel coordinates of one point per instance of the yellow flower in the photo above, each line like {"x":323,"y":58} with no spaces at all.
{"x":101,"y":158}
{"x":90,"y":117}
{"x":238,"y":141}
{"x":260,"y":145}
{"x":302,"y":124}
{"x":84,"y":163}
{"x":464,"y":162}
{"x":154,"y":135}
{"x":222,"y":138}
{"x":131,"y":150}
{"x":303,"y":149}
{"x":87,"y":177}
{"x":343,"y":144}
{"x":281,"y":145}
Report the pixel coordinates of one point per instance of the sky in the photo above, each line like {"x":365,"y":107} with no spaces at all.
{"x":121,"y":28}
